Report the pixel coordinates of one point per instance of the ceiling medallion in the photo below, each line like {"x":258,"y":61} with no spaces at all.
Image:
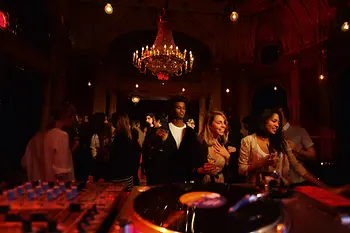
{"x":164,"y":58}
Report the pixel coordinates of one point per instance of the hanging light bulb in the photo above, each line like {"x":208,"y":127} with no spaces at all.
{"x":108,"y":9}
{"x":321,"y":77}
{"x":345,"y":27}
{"x":89,"y":84}
{"x":135,"y":99}
{"x":234,"y":16}
{"x":227,"y":90}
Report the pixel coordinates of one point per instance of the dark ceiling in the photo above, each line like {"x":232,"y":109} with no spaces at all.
{"x":31,"y":22}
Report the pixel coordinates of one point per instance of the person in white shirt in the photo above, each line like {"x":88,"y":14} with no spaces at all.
{"x":297,"y":138}
{"x":58,"y":159}
{"x":33,"y":158}
{"x":171,"y":155}
{"x":299,"y":141}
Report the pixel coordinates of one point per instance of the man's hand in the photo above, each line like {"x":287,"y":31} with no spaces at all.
{"x":162,"y":133}
{"x":294,"y":147}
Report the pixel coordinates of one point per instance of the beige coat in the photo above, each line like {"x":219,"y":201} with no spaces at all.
{"x":250,"y":151}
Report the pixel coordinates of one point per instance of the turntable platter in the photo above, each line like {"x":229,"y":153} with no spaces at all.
{"x":203,"y":200}
{"x":172,"y":208}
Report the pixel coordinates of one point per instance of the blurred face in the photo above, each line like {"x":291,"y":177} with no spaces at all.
{"x":284,"y":120}
{"x":218,"y":126}
{"x":180,"y":110}
{"x":157,"y":124}
{"x":272,"y":124}
{"x":149,"y":120}
{"x":69,"y":122}
{"x":245,"y":126}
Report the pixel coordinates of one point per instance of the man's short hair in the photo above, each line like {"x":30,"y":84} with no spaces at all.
{"x":246,"y":120}
{"x":178,"y":98}
{"x":64,"y":111}
{"x":286,"y":112}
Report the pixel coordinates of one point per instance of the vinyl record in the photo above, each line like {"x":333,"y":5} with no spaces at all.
{"x":204,"y":208}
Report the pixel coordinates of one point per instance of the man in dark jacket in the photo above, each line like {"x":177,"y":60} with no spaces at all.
{"x":171,"y":151}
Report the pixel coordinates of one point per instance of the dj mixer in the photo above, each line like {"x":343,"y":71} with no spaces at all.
{"x":67,"y":207}
{"x":59,"y":207}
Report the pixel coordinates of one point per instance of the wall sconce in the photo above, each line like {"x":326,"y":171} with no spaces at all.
{"x":345,"y":27}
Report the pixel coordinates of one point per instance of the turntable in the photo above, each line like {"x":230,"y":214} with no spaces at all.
{"x":205,"y":209}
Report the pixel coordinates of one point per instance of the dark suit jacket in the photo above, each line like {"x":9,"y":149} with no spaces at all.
{"x":124,"y":157}
{"x":169,"y":164}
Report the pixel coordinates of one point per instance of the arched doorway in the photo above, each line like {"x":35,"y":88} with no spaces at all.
{"x":268,"y":96}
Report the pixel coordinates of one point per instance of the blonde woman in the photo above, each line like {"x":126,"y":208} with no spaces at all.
{"x":213,"y":156}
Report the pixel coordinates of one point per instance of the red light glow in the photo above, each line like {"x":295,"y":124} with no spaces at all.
{"x":162,"y":76}
{"x":3,"y":20}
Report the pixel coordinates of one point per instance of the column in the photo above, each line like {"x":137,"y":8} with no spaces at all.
{"x":215,"y":92}
{"x":294,"y":96}
{"x":45,"y":110}
{"x":112,"y":103}
{"x":202,"y":112}
{"x":55,"y":86}
{"x":100,"y":97}
{"x":326,"y":133}
{"x":244,"y":101}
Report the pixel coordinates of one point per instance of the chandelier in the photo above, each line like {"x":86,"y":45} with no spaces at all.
{"x":164,"y":58}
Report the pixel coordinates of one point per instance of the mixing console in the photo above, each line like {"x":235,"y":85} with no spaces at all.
{"x":58,"y":207}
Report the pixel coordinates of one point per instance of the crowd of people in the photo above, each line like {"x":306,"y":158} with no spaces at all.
{"x":169,"y":150}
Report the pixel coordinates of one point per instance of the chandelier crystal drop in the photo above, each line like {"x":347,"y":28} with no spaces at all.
{"x":164,"y":58}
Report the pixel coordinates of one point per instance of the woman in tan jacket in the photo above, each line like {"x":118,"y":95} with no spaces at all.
{"x":267,"y":151}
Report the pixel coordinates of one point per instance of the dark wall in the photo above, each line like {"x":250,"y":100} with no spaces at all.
{"x":30,"y":21}
{"x":267,"y":97}
{"x":21,"y":96}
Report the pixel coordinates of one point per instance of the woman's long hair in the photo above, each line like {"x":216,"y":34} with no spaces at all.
{"x":277,"y":141}
{"x":123,"y":125}
{"x":206,"y":133}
